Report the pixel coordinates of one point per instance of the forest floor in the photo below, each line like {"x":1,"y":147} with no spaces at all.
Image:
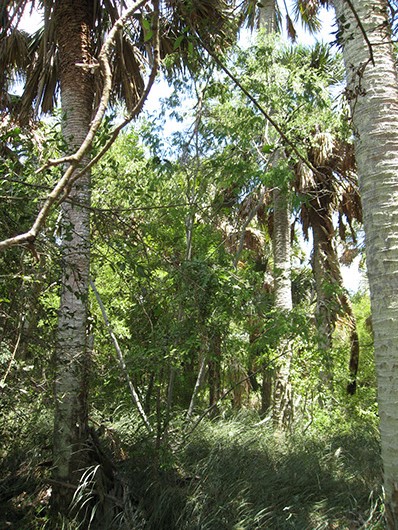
{"x":229,"y":474}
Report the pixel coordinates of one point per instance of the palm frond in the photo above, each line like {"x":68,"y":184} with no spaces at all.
{"x":128,"y":80}
{"x":307,"y":11}
{"x":305,"y":178}
{"x":350,"y":204}
{"x":291,"y":30}
{"x":42,"y":76}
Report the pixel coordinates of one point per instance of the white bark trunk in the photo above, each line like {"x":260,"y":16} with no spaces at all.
{"x":282,"y":251}
{"x":373,"y":92}
{"x":72,"y":21}
{"x":267,"y":16}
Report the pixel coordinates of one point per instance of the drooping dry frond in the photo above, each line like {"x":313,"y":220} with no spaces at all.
{"x":345,"y":158}
{"x":253,"y":239}
{"x":305,"y":178}
{"x":128,"y":82}
{"x":305,"y":221}
{"x":14,"y":59}
{"x":42,"y":74}
{"x":350,"y":204}
{"x":348,"y":256}
{"x":291,"y":30}
{"x":322,"y":148}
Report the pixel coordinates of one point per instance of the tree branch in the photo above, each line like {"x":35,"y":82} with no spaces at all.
{"x":266,"y":115}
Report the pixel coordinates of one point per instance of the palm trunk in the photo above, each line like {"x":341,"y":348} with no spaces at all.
{"x":73,"y":20}
{"x":373,"y":93}
{"x":282,"y":406}
{"x":281,"y":252}
{"x":324,"y":259}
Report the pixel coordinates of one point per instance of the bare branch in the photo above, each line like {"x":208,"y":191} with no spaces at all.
{"x":133,"y":392}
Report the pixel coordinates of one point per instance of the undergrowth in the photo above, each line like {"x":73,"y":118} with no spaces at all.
{"x":231,"y":473}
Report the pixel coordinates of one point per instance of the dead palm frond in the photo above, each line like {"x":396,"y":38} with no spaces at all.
{"x":322,"y":148}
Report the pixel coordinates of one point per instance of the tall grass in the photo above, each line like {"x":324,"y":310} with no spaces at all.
{"x":234,"y":474}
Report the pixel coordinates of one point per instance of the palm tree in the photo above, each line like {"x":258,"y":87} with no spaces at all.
{"x":332,"y":188}
{"x":63,"y":59}
{"x":372,"y":90}
{"x":282,"y":403}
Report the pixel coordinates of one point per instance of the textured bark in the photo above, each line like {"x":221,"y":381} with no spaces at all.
{"x":73,"y":20}
{"x":372,"y":87}
{"x":281,"y":244}
{"x":267,"y":16}
{"x":324,"y":266}
{"x":283,"y":404}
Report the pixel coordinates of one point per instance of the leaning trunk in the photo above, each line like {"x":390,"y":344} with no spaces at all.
{"x":73,"y":21}
{"x":373,"y":93}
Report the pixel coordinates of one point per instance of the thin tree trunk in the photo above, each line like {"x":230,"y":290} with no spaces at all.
{"x":372,"y":88}
{"x":134,"y":394}
{"x":198,"y":384}
{"x":215,"y":372}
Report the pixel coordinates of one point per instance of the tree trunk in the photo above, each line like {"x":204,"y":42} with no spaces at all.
{"x":282,"y":406}
{"x":324,"y":261}
{"x":214,"y":366}
{"x":73,"y":24}
{"x":267,"y":16}
{"x":281,"y":251}
{"x":332,"y":297}
{"x":373,"y":93}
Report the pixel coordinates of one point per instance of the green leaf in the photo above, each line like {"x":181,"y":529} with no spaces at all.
{"x":268,"y":148}
{"x":178,"y":41}
{"x":146,"y":24}
{"x":148,"y":35}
